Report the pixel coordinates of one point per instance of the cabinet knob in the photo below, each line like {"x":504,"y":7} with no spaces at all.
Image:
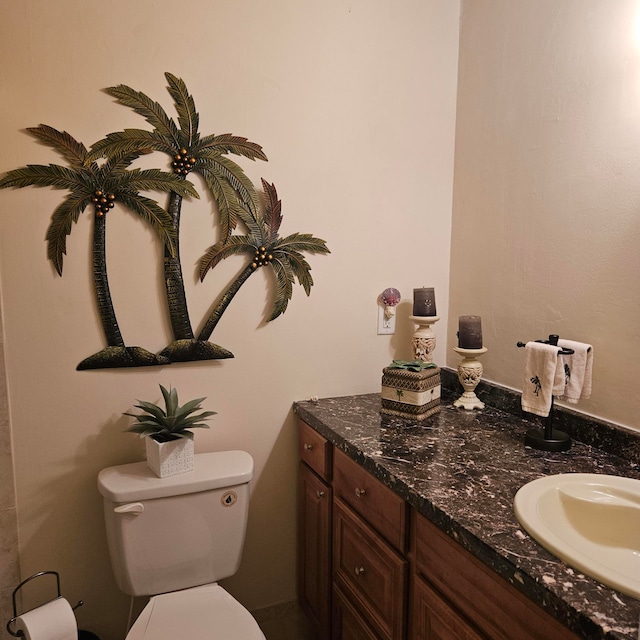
{"x":320,"y":494}
{"x":360,"y":492}
{"x":359,"y":571}
{"x":308,"y":447}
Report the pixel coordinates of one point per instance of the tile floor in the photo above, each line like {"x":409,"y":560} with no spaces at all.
{"x":284,"y":622}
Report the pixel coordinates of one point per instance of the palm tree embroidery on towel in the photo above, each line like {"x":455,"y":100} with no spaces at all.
{"x":537,"y":385}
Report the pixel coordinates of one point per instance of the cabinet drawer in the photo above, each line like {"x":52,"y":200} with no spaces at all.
{"x":377,"y":504}
{"x":497,"y":608}
{"x":314,"y":450}
{"x":370,"y":572}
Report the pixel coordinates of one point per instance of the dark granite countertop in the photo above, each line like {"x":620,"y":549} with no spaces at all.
{"x":461,"y":469}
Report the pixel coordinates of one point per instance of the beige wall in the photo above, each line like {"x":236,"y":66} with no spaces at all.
{"x":9,"y":570}
{"x":354,"y":103}
{"x":546,"y":224}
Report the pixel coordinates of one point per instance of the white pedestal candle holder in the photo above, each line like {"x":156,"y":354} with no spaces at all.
{"x":469,"y":373}
{"x":424,"y":340}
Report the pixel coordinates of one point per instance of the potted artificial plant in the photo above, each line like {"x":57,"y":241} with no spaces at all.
{"x":168,"y":439}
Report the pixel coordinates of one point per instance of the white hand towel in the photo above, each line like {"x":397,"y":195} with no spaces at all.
{"x":577,"y":367}
{"x":543,"y":377}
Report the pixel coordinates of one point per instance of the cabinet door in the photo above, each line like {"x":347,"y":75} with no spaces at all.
{"x":314,"y":549}
{"x":369,"y":572}
{"x":432,"y":618}
{"x":348,"y":624}
{"x":495,"y":606}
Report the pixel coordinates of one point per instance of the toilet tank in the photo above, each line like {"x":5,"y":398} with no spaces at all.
{"x":166,"y":534}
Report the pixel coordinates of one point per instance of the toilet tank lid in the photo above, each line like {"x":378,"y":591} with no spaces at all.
{"x":135,"y":481}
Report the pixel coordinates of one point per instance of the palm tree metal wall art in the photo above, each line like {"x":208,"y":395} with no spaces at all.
{"x":189,"y":152}
{"x":101,"y":177}
{"x":102,"y":186}
{"x":265,"y":247}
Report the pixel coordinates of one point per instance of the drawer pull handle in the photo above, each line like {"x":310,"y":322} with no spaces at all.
{"x":360,"y":492}
{"x":320,"y":494}
{"x":308,"y":447}
{"x":359,"y":571}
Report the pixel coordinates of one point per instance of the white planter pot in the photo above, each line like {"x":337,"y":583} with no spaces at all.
{"x":169,"y":458}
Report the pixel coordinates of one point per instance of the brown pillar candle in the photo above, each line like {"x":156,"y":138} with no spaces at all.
{"x":424,"y":301}
{"x":470,"y":332}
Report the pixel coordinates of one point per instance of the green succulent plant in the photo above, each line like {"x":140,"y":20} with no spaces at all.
{"x":172,"y":422}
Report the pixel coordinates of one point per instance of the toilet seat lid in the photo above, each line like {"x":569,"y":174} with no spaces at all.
{"x":207,"y":612}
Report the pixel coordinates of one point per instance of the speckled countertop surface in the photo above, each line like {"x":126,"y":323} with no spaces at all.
{"x":461,"y":470}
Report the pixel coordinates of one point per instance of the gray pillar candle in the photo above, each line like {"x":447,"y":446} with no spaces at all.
{"x":470,"y":332}
{"x":424,"y":301}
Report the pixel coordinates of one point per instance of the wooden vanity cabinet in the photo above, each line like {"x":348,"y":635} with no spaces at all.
{"x":372,"y":569}
{"x":370,"y":527}
{"x":467,"y":586}
{"x":314,"y":529}
{"x":352,"y":572}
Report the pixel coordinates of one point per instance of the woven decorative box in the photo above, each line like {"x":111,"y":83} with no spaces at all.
{"x":410,"y":394}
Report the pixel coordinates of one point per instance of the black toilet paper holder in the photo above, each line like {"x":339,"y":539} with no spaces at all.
{"x":19,"y":634}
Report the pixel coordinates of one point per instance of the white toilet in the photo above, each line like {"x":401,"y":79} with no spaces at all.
{"x":174,"y":538}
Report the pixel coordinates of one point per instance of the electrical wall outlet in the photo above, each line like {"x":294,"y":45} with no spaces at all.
{"x":385,"y":326}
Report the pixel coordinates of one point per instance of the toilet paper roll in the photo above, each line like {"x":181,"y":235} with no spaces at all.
{"x":52,"y":621}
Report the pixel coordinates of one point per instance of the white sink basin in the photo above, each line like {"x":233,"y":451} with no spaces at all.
{"x":590,"y":521}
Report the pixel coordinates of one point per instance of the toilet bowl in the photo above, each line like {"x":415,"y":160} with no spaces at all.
{"x":207,"y":612}
{"x":173,"y":538}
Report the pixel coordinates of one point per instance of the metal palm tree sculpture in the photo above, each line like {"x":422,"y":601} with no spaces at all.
{"x":189,"y":152}
{"x":100,"y":186}
{"x":101,"y":178}
{"x":266,"y":248}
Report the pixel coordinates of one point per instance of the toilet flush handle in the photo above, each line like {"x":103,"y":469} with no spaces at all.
{"x":134,"y":508}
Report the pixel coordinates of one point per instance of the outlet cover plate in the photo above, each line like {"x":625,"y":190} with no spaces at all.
{"x":385,"y":327}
